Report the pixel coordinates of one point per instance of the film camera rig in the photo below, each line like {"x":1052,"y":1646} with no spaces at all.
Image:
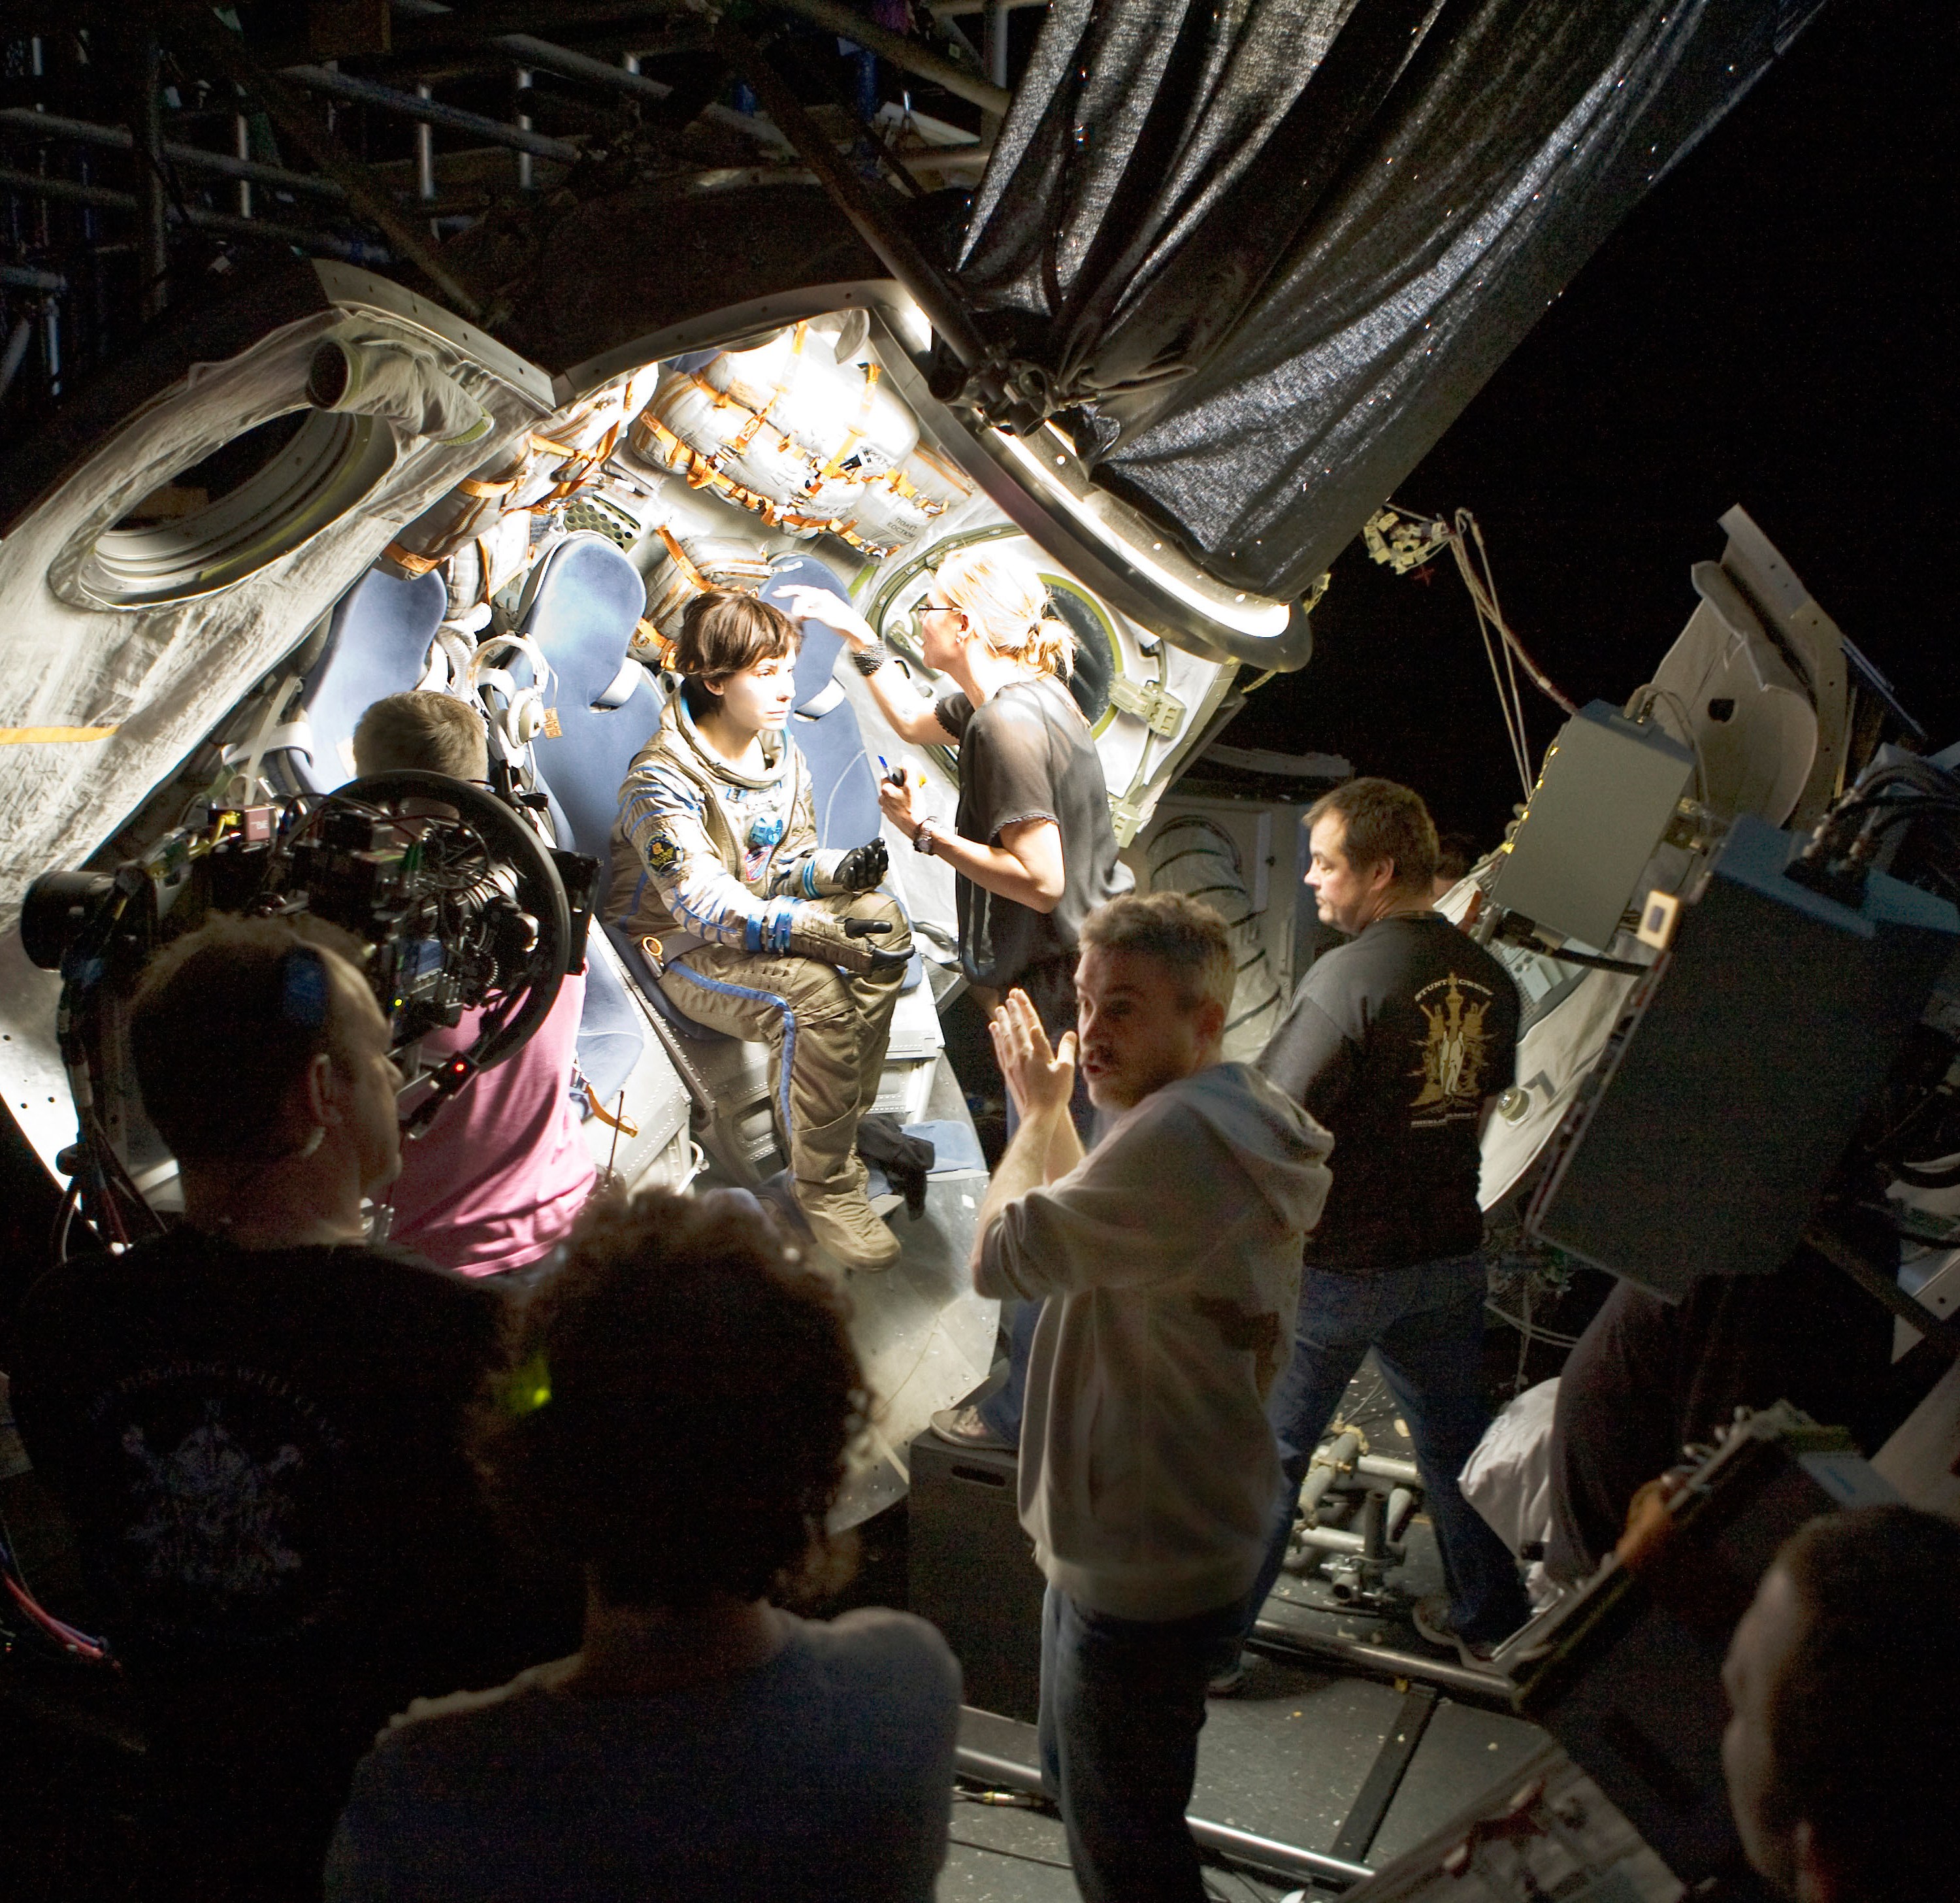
{"x":452,"y":900}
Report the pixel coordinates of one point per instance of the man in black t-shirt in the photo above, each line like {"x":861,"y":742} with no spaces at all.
{"x":255,"y":1422}
{"x":1399,"y":1043}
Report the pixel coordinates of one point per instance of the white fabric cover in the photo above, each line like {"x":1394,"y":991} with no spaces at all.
{"x":1508,"y":1479}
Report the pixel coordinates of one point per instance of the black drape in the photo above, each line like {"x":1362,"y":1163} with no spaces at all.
{"x":1270,"y":249}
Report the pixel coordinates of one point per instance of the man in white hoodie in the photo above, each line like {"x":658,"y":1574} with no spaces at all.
{"x":1169,"y":1261}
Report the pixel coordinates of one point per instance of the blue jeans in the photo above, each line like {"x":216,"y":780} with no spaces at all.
{"x":1122,"y":1702}
{"x":1001,"y":1410}
{"x":1426,"y":1326}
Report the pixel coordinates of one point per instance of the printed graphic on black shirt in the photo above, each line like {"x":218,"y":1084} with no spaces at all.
{"x":221,"y":1468}
{"x":1454,"y":1056}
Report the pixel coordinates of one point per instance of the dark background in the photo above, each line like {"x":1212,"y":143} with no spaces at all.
{"x":1766,"y":328}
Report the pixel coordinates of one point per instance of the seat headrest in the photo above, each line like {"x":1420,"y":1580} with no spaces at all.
{"x":816,"y":660}
{"x":582,"y":606}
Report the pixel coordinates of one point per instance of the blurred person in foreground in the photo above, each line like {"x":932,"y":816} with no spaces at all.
{"x":255,"y":1422}
{"x":1167,"y":1261}
{"x":496,"y":1181}
{"x":1842,"y":1747}
{"x":681,"y":1402}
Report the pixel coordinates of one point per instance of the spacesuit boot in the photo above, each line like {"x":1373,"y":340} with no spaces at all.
{"x":829,"y":1184}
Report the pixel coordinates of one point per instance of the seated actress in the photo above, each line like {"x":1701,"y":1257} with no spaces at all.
{"x":717,"y":871}
{"x":681,"y":1404}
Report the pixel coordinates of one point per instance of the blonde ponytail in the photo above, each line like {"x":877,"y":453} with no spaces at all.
{"x":1007,"y":605}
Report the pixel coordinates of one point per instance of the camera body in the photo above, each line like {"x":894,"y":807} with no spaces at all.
{"x":445,"y":898}
{"x":445,"y":917}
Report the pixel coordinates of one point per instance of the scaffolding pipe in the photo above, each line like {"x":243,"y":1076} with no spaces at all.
{"x":66,"y":192}
{"x":24,"y":277}
{"x":525,"y":180}
{"x":997,"y":43}
{"x":15,"y":353}
{"x":906,"y":54}
{"x":241,"y":143}
{"x":622,"y":78}
{"x":365,"y":92}
{"x":424,"y":154}
{"x":288,"y":112}
{"x":1386,"y":1467}
{"x":1330,"y":1461}
{"x":153,"y":239}
{"x":191,"y":158}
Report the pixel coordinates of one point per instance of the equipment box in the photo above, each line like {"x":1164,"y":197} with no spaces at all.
{"x":973,"y":1571}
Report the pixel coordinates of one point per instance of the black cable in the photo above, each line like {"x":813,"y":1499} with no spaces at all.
{"x":994,"y":1850}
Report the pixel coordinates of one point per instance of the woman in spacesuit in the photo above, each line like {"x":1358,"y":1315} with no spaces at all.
{"x":754,"y":930}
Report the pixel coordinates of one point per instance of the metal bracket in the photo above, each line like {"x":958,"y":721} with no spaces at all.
{"x":1150,"y":701}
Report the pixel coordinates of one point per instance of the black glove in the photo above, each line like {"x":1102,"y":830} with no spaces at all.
{"x":881,"y":959}
{"x":862,"y":868}
{"x":841,"y":942}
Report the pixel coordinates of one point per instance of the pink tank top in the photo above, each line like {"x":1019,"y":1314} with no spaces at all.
{"x":499,"y":1178}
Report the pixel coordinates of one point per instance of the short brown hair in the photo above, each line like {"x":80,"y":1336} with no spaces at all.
{"x":681,"y":1399}
{"x":1862,"y":1715}
{"x":726,"y":630}
{"x":1382,"y":820}
{"x":1190,"y":938}
{"x":225,"y":1021}
{"x":431,"y":733}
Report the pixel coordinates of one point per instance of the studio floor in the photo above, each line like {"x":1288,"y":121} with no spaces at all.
{"x":1287,"y":1756}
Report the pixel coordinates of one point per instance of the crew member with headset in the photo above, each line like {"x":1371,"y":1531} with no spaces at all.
{"x":494,"y":1184}
{"x":1032,"y":848}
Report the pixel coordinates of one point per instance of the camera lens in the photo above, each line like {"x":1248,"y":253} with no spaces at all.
{"x":56,"y":907}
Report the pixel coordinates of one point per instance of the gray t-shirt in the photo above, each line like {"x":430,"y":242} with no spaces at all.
{"x":1027,"y":754}
{"x":825,"y":1773}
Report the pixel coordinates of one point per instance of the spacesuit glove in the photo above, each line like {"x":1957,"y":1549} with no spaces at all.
{"x":818,"y":934}
{"x":861,"y":868}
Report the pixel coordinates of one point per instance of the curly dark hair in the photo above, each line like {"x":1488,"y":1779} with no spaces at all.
{"x":678,"y":1406}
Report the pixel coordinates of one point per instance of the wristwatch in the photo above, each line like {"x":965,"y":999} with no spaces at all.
{"x":922,"y":839}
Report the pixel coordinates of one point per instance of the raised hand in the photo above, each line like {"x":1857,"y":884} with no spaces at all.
{"x":1038,"y":1077}
{"x":803,"y":603}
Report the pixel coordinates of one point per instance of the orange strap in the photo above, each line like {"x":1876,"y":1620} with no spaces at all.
{"x":695,"y":578}
{"x":37,"y":736}
{"x":470,"y":485}
{"x":645,"y":635}
{"x":415,"y":565}
{"x":855,"y":434}
{"x":622,"y":1123}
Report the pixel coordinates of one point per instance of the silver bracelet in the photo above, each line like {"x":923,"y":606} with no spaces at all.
{"x":923,"y":840}
{"x":868,"y":660}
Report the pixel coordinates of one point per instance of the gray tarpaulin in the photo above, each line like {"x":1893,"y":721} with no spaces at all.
{"x":1271,"y":249}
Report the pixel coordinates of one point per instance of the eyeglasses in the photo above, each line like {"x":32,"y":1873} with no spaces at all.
{"x":922,"y":609}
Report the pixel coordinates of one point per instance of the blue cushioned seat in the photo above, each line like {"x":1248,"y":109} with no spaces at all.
{"x":581,"y":606}
{"x":843,"y":780}
{"x":377,"y":643}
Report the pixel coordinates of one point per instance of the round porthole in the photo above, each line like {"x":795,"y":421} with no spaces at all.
{"x":1095,"y":662}
{"x":239,"y":506}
